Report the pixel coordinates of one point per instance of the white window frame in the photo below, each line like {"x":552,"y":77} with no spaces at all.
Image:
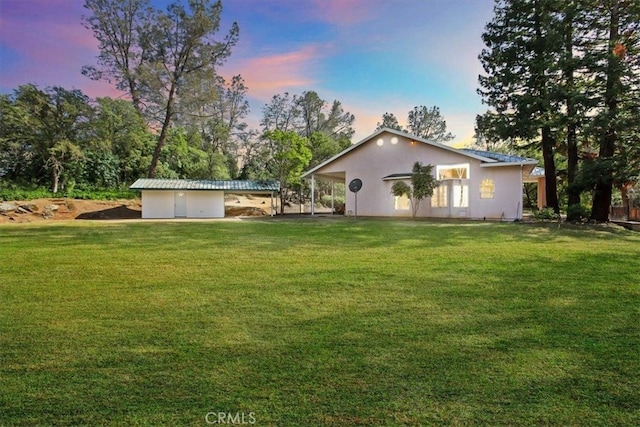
{"x":402,"y":203}
{"x":439,"y":199}
{"x":487,"y":188}
{"x":460,"y":195}
{"x":441,"y":169}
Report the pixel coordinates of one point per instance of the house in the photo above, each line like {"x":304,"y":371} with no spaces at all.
{"x":473,"y":183}
{"x":186,"y":198}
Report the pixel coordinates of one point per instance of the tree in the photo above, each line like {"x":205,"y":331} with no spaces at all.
{"x":47,"y":128}
{"x":619,"y":116}
{"x":422,"y":122}
{"x":282,"y":113}
{"x":428,"y":123}
{"x":564,"y":76}
{"x":217,"y":110}
{"x":422,"y":185}
{"x":389,"y":121}
{"x":118,"y":129}
{"x":328,"y":130}
{"x":289,"y":155}
{"x":334,"y":122}
{"x":156,"y":55}
{"x":520,"y":64}
{"x":16,"y":139}
{"x":182,"y":157}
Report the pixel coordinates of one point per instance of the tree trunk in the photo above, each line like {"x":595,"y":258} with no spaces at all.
{"x":604,"y":185}
{"x":56,"y":180}
{"x":573,"y":192}
{"x":163,"y":133}
{"x":548,"y":141}
{"x":282,"y":202}
{"x":551,"y":187}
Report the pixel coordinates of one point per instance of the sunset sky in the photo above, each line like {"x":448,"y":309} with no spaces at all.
{"x":374,"y":56}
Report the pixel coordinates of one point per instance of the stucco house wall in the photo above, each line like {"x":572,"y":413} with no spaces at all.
{"x":387,"y":153}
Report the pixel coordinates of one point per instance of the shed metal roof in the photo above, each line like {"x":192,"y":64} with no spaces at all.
{"x":232,"y":186}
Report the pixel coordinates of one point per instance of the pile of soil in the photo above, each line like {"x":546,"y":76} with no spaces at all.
{"x":70,"y":209}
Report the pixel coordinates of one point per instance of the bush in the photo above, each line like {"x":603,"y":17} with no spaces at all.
{"x":325,"y":200}
{"x":17,"y":193}
{"x":546,"y":214}
{"x":578,"y":213}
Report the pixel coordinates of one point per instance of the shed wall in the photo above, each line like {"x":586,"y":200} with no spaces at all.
{"x":200,"y":204}
{"x":205,"y":204}
{"x":158,"y":204}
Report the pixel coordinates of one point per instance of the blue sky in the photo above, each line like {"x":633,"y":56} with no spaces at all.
{"x":374,"y":56}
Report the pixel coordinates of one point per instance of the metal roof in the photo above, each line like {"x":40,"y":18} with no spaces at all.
{"x":537,"y":172}
{"x":506,"y":158}
{"x":232,"y":186}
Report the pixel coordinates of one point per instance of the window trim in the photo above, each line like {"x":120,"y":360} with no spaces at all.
{"x":487,"y":189}
{"x":465,"y":166}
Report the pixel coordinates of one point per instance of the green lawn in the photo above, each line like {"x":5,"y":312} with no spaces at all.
{"x":312,"y":322}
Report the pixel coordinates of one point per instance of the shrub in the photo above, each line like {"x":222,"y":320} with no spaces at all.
{"x":83,"y":193}
{"x":325,"y":200}
{"x":546,"y":214}
{"x":578,"y":213}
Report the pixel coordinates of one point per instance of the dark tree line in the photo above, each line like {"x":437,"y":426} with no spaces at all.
{"x":183,"y":119}
{"x":563,"y":78}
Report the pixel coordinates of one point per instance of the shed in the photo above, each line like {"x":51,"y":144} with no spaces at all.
{"x":189,"y":198}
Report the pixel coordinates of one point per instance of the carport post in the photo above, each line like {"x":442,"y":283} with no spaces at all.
{"x":273,"y":208}
{"x":333,"y":209}
{"x":313,"y":194}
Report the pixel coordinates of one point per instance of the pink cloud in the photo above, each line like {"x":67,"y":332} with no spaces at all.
{"x":345,"y":12}
{"x":268,"y":75}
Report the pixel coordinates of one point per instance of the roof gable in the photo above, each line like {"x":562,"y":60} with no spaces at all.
{"x":485,"y":157}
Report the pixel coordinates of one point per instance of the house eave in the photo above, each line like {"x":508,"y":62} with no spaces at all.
{"x":400,"y":134}
{"x":506,"y":164}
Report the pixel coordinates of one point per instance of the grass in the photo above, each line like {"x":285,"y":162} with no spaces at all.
{"x":319,"y":322}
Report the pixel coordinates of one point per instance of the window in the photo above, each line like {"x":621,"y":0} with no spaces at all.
{"x":402,"y":203}
{"x":460,"y":196}
{"x":439,"y":197}
{"x":487,"y":188}
{"x":460,"y":171}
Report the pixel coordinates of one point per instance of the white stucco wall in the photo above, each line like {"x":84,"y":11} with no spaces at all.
{"x":199,"y":204}
{"x":389,"y":154}
{"x":205,"y":204}
{"x":157,"y":204}
{"x":507,"y":201}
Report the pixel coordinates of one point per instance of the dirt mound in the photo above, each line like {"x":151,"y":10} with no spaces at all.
{"x":244,"y":211}
{"x":21,"y":211}
{"x":69,"y":209}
